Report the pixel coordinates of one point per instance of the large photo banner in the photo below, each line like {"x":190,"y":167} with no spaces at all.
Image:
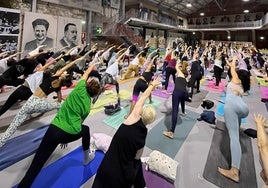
{"x":9,"y":30}
{"x":39,"y":29}
{"x":69,"y":32}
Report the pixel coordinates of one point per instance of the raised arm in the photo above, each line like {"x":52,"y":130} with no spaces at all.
{"x":137,"y":110}
{"x":66,"y":67}
{"x":262,"y":137}
{"x":43,"y":68}
{"x":179,"y":72}
{"x":235,"y":78}
{"x":149,"y":67}
{"x":87,"y":72}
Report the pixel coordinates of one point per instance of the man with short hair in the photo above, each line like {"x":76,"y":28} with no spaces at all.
{"x":70,"y":36}
{"x":40,"y":27}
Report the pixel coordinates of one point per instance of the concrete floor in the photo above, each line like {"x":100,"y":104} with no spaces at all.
{"x":192,"y":155}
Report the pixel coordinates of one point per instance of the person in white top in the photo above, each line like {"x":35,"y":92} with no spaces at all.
{"x":110,"y":77}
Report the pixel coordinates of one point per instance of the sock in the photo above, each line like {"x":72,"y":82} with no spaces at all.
{"x":88,"y":156}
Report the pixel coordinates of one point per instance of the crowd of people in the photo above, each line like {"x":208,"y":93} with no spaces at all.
{"x":41,"y":73}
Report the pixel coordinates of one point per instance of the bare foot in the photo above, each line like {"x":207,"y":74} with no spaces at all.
{"x":232,"y":174}
{"x":168,"y":134}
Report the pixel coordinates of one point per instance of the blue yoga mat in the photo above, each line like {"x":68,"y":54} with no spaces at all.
{"x":21,"y":147}
{"x":68,"y":171}
{"x":157,"y":141}
{"x":220,"y":109}
{"x":118,"y":118}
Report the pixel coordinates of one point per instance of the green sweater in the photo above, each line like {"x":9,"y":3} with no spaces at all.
{"x":74,"y":110}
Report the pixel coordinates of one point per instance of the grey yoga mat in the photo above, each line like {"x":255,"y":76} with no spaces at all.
{"x":219,"y":156}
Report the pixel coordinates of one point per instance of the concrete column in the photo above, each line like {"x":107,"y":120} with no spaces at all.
{"x":34,"y":5}
{"x":89,"y":26}
{"x":122,"y":11}
{"x":253,"y":37}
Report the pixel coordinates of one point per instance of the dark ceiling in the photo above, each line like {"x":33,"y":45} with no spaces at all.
{"x":209,"y":7}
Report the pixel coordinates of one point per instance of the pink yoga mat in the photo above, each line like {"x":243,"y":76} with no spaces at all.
{"x":211,"y":84}
{"x":159,"y":92}
{"x":264,"y":94}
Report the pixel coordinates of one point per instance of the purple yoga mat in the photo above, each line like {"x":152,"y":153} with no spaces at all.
{"x":153,"y":180}
{"x":264,"y":94}
{"x":159,"y":92}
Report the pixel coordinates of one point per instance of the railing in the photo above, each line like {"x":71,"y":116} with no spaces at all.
{"x":120,"y":29}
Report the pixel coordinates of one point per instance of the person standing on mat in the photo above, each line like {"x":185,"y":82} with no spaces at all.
{"x":179,"y":95}
{"x":38,"y":102}
{"x":25,"y":91}
{"x":121,"y":166}
{"x":218,"y":69}
{"x":66,"y":127}
{"x":197,"y":72}
{"x":261,"y":124}
{"x":235,"y":109}
{"x":142,"y":84}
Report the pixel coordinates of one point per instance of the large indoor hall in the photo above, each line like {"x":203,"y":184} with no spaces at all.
{"x":134,"y":94}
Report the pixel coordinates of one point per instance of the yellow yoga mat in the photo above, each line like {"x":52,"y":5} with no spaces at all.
{"x":110,"y":97}
{"x":262,"y":82}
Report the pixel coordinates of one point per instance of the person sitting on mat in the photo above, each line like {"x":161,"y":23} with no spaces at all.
{"x":261,"y":124}
{"x":142,"y":84}
{"x":25,"y":91}
{"x":179,"y":95}
{"x":235,"y":109}
{"x":121,"y":165}
{"x":66,"y":127}
{"x":38,"y":102}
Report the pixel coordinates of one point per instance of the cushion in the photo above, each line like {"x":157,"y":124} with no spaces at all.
{"x":208,"y":116}
{"x":101,"y":141}
{"x":163,"y":165}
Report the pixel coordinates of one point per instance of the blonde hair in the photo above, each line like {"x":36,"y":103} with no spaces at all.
{"x":148,"y":115}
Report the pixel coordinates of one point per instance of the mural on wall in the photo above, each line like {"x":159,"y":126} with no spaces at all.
{"x":39,"y":29}
{"x":9,"y":30}
{"x":69,"y":32}
{"x":161,"y":39}
{"x":93,"y":5}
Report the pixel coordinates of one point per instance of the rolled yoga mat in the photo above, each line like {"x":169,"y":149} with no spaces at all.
{"x":166,"y":145}
{"x":220,"y":156}
{"x":20,"y":147}
{"x":68,"y":171}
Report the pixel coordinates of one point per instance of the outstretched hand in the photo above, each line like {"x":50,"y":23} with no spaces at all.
{"x":262,"y":136}
{"x":156,"y":81}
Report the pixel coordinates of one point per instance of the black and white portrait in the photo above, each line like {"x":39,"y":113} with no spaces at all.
{"x":9,"y":44}
{"x":39,"y":29}
{"x":9,"y":21}
{"x":69,"y":32}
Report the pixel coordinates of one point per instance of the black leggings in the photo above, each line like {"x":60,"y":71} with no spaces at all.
{"x":53,"y":137}
{"x":21,"y":93}
{"x":169,"y":71}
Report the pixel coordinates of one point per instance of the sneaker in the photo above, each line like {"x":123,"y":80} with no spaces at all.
{"x":183,"y":114}
{"x":198,"y":91}
{"x":168,"y":134}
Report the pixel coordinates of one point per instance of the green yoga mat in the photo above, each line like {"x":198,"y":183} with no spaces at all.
{"x":220,"y":156}
{"x":110,"y":97}
{"x":157,"y":141}
{"x":118,"y":118}
{"x":262,"y":82}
